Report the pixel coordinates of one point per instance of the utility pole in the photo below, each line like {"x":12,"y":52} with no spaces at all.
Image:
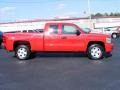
{"x":89,"y":10}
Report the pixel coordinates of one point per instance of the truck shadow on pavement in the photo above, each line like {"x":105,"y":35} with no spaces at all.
{"x":1,"y":47}
{"x":107,"y":55}
{"x":63,"y":54}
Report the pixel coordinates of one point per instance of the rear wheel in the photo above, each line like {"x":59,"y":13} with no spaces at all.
{"x":95,"y":51}
{"x":22,"y":52}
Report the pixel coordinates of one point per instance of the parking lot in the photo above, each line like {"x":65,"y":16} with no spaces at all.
{"x":61,"y":71}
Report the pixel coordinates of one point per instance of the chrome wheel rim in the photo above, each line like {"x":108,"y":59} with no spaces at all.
{"x":96,"y":52}
{"x":22,"y":53}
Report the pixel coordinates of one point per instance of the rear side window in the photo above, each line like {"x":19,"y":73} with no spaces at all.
{"x":53,"y":29}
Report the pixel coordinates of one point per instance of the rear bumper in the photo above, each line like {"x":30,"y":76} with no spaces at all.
{"x":108,"y":48}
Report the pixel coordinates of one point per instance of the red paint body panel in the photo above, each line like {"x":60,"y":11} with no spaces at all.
{"x":8,"y":44}
{"x":37,"y":42}
{"x":56,"y":42}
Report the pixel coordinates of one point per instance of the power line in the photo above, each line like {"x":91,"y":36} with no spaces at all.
{"x":21,"y":2}
{"x":26,"y":3}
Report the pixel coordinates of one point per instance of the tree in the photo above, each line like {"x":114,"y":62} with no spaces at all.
{"x":111,"y":14}
{"x":98,"y":14}
{"x":106,"y":14}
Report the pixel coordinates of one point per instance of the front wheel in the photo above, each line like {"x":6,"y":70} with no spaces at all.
{"x":22,"y":52}
{"x":95,"y":51}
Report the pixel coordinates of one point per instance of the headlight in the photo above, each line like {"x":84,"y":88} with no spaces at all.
{"x":108,"y":40}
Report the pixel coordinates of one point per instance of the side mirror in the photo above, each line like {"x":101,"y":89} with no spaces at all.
{"x":78,"y":33}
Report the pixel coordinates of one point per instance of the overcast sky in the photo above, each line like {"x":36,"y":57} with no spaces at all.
{"x":12,"y":10}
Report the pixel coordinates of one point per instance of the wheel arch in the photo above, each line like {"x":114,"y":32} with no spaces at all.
{"x":96,"y":42}
{"x":16,"y":43}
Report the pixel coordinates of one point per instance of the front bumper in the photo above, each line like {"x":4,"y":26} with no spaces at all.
{"x":108,"y":48}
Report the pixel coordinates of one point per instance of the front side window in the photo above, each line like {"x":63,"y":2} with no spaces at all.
{"x":53,"y":29}
{"x":67,"y":29}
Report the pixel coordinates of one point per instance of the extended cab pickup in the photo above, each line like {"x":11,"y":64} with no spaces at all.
{"x":60,"y":37}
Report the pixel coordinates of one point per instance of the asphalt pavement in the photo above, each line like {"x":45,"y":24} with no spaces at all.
{"x":60,"y":71}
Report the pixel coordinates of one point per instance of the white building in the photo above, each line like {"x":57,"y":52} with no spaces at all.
{"x":81,"y":22}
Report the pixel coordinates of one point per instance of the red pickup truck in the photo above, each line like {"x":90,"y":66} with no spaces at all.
{"x":60,"y":37}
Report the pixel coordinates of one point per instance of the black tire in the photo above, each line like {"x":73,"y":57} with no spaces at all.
{"x":114,"y":35}
{"x":0,"y":43}
{"x":22,"y":52}
{"x":95,"y":54}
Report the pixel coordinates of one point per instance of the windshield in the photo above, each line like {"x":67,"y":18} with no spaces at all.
{"x":86,"y":30}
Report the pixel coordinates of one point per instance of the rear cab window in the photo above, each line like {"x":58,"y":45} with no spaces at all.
{"x":53,"y":29}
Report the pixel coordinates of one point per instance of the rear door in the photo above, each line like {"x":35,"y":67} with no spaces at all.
{"x":52,"y":37}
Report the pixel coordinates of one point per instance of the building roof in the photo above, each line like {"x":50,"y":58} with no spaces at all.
{"x":96,"y":17}
{"x":58,"y":19}
{"x":42,"y":20}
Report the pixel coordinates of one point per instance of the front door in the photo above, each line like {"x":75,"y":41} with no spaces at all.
{"x":69,"y":40}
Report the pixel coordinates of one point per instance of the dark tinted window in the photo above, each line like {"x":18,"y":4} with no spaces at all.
{"x":30,"y":31}
{"x":13,"y":32}
{"x":39,"y":30}
{"x":24,"y":30}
